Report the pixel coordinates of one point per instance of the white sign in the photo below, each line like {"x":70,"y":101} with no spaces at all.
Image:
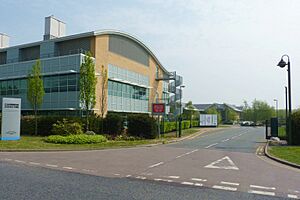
{"x":208,"y":120}
{"x":11,"y":117}
{"x":223,"y":163}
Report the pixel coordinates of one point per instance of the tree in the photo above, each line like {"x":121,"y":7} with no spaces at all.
{"x":87,"y":82}
{"x":213,"y":110}
{"x":190,"y":111}
{"x":36,"y":90}
{"x":258,"y":112}
{"x":103,"y":95}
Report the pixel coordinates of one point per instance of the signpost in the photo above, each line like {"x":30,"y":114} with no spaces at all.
{"x":158,"y":109}
{"x":11,"y":116}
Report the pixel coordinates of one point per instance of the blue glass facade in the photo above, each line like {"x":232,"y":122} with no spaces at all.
{"x":128,"y":91}
{"x":60,"y":77}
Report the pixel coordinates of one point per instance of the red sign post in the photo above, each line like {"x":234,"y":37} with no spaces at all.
{"x":158,"y":108}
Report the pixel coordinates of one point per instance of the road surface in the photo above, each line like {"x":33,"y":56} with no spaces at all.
{"x":222,"y":164}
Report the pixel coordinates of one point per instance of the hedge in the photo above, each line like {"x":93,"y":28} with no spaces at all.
{"x":167,"y":127}
{"x":76,"y":139}
{"x":142,"y":126}
{"x":296,"y":128}
{"x":113,"y":124}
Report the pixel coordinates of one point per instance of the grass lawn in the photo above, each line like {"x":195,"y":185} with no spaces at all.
{"x":288,"y":153}
{"x":37,"y":143}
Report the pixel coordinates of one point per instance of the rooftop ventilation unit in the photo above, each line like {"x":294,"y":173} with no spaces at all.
{"x":4,"y":40}
{"x":54,"y":28}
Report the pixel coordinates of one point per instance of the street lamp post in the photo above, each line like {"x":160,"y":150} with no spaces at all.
{"x":180,"y":113}
{"x":286,"y":108}
{"x":276,"y":100}
{"x":282,"y":64}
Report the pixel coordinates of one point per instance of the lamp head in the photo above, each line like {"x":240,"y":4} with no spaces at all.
{"x":282,"y":63}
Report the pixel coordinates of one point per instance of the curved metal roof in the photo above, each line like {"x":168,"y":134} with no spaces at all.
{"x":127,"y":35}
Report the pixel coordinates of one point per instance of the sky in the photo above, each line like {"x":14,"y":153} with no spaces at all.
{"x":226,"y":51}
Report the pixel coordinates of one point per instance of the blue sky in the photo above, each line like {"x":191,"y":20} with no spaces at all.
{"x":227,"y":51}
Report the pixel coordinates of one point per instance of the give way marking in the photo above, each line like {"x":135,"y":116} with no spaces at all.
{"x":223,"y":163}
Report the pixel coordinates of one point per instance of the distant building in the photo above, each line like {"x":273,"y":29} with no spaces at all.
{"x":134,"y":72}
{"x":223,"y":109}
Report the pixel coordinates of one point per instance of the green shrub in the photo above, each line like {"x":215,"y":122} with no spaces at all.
{"x":167,"y":127}
{"x":76,"y":139}
{"x":195,"y":123}
{"x":185,"y":124}
{"x":126,"y":138}
{"x":142,"y":126}
{"x":44,"y":124}
{"x":113,"y":124}
{"x":296,"y":128}
{"x":96,"y":124}
{"x":66,"y":127}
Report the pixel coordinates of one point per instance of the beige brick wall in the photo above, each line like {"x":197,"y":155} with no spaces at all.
{"x":104,"y":57}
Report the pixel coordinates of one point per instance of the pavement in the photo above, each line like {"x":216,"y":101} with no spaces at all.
{"x":228,"y":162}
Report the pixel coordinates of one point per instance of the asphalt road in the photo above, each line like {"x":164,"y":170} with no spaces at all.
{"x":223,"y":164}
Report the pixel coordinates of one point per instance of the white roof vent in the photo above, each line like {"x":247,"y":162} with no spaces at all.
{"x":4,"y":40}
{"x":54,"y":28}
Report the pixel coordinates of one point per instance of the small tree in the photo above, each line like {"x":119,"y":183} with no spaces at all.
{"x":36,"y":90}
{"x":190,"y":111}
{"x":103,"y":95}
{"x":88,"y":81}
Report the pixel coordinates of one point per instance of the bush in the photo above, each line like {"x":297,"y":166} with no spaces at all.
{"x":185,"y":124}
{"x":65,"y":128}
{"x":125,"y":137}
{"x":44,"y":124}
{"x":76,"y":139}
{"x":113,"y":124}
{"x":142,"y":126}
{"x":296,"y":128}
{"x":96,"y":124}
{"x":195,"y":123}
{"x":168,"y":127}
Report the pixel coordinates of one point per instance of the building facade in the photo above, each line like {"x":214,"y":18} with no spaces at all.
{"x":133,"y":71}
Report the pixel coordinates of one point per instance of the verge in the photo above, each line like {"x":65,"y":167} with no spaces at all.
{"x":278,"y":159}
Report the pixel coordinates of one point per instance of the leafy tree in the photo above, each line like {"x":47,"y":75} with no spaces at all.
{"x":258,"y":112}
{"x":190,"y":112}
{"x":36,"y":90}
{"x":213,"y":110}
{"x":103,"y":96}
{"x":231,"y":115}
{"x":88,"y":81}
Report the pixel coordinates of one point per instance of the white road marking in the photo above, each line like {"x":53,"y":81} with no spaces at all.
{"x":49,"y":165}
{"x":157,"y":179}
{"x":7,"y":159}
{"x":175,"y":177}
{"x":34,"y":163}
{"x":225,"y":140}
{"x":224,"y":188}
{"x":167,"y":180}
{"x":211,"y":145}
{"x":261,"y":192}
{"x":147,"y":174}
{"x":230,"y":164}
{"x":198,"y":184}
{"x":179,"y":156}
{"x":117,"y":174}
{"x":187,"y":183}
{"x":70,"y":168}
{"x":198,"y":179}
{"x":234,"y":137}
{"x":19,"y":161}
{"x":155,"y":165}
{"x":229,"y":183}
{"x":87,"y":170}
{"x":262,"y":187}
{"x":187,"y":153}
{"x":292,"y":196}
{"x":128,"y":175}
{"x":141,"y":177}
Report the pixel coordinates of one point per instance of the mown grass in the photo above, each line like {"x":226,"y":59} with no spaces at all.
{"x":288,"y":153}
{"x":38,"y":143}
